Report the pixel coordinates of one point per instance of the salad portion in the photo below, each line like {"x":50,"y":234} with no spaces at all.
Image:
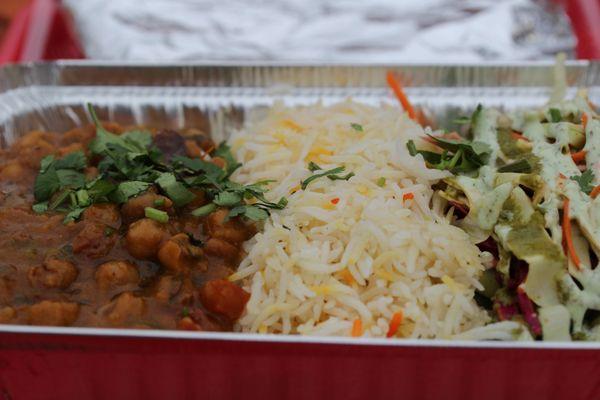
{"x":525,"y":186}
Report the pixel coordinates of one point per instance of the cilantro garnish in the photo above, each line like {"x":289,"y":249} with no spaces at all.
{"x":129,"y":164}
{"x":357,"y":127}
{"x":126,"y":190}
{"x":58,"y":174}
{"x":555,"y":115}
{"x":224,"y":151}
{"x":457,"y":156}
{"x":463,"y":119}
{"x":157,"y":215}
{"x":174,"y":189}
{"x":204,"y":210}
{"x":312,"y":167}
{"x":585,"y":181}
{"x":332,"y":174}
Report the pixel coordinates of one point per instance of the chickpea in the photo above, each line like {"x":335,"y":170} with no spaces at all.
{"x":12,"y":172}
{"x":179,"y":255}
{"x":144,"y":237}
{"x":167,"y":287}
{"x":116,"y":273}
{"x":32,"y":139}
{"x":232,"y":231}
{"x":222,"y":249}
{"x":95,"y":240}
{"x":107,"y":214}
{"x":53,"y":313}
{"x":54,"y":273}
{"x":33,"y":147}
{"x":223,"y":297}
{"x":126,"y":308}
{"x":7,"y":314}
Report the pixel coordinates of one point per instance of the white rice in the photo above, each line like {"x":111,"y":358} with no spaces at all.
{"x":317,"y":267}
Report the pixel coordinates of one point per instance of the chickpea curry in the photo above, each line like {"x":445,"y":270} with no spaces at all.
{"x":107,"y":227}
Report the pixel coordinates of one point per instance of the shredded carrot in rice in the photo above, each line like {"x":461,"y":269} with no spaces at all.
{"x":347,"y":276}
{"x":568,"y":235}
{"x":397,"y":89}
{"x":584,"y":120}
{"x":335,"y":200}
{"x":595,"y":192}
{"x":395,"y":323}
{"x":518,"y":136}
{"x":357,"y":328}
{"x":579,"y":156}
{"x":408,"y":196}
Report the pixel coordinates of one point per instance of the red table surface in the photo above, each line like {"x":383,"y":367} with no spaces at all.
{"x":47,"y":366}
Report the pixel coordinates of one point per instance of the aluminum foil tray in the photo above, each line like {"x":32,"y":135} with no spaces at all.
{"x":43,"y":362}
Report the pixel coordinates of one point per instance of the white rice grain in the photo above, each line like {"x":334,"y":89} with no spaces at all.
{"x":370,"y":253}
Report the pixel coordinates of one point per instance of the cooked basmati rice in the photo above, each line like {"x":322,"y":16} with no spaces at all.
{"x":382,"y":248}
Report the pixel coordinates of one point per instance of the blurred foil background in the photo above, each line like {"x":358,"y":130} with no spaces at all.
{"x":322,"y":30}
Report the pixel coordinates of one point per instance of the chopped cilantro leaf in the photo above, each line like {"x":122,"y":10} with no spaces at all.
{"x":70,"y":177}
{"x":227,"y":199}
{"x":252,"y":212}
{"x":99,"y":188}
{"x":224,"y":151}
{"x":174,"y":189}
{"x":555,"y":115}
{"x":357,"y":127}
{"x":46,"y":183}
{"x":255,"y":213}
{"x":40,"y":208}
{"x":204,"y":210}
{"x":313,"y":167}
{"x":341,"y":177}
{"x":456,"y":156}
{"x":129,"y":164}
{"x":57,"y":174}
{"x":128,"y":189}
{"x":331,"y":174}
{"x":132,"y":141}
{"x":83,"y":197}
{"x":74,"y":214}
{"x":45,"y":163}
{"x":585,"y":181}
{"x":58,"y":198}
{"x":75,"y":160}
{"x":157,"y":215}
